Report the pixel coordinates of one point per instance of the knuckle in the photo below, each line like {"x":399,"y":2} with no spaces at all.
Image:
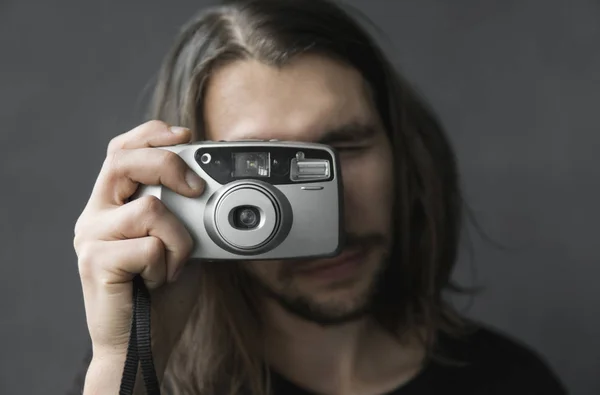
{"x":77,"y":241}
{"x":115,"y":144}
{"x":86,"y":257}
{"x":182,"y":247}
{"x":151,"y":206}
{"x":113,"y":162}
{"x":78,"y":226}
{"x":153,"y":250}
{"x":155,"y":123}
{"x":169,"y":160}
{"x":79,"y":231}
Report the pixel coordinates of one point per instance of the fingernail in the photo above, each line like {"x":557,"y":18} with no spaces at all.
{"x":178,"y":129}
{"x":194,"y":180}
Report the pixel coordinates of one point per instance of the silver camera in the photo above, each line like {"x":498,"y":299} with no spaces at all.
{"x":263,"y":200}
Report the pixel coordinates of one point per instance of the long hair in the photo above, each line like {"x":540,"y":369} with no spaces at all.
{"x":219,"y":351}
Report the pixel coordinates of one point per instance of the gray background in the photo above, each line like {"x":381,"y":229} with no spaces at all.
{"x":516,"y":82}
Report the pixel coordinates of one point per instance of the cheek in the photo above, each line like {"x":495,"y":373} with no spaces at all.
{"x":265,"y":271}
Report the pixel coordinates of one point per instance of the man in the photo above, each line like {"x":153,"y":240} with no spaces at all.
{"x":371,"y":321}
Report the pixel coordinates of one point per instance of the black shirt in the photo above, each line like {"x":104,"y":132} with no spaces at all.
{"x":493,"y":364}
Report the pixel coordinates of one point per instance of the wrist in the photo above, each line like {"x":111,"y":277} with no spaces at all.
{"x":104,"y":374}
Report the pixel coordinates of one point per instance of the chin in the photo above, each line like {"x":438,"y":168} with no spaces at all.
{"x":332,"y":302}
{"x":330,"y":306}
{"x":327,"y":292}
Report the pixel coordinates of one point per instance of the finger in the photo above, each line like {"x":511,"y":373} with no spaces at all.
{"x":150,"y":134}
{"x":124,"y":170}
{"x":147,"y":216}
{"x":109,"y":263}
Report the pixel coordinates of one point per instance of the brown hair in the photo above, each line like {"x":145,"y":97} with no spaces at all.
{"x":220,"y":349}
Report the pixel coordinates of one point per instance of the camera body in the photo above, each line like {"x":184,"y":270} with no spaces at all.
{"x":264,"y":199}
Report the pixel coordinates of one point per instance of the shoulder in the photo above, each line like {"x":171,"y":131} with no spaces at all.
{"x":496,"y":363}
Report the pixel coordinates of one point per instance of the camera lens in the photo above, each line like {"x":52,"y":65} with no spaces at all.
{"x":246,"y":217}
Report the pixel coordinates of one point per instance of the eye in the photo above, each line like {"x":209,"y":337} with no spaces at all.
{"x":351,"y":148}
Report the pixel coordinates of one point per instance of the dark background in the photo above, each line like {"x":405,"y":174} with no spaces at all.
{"x":517,"y":83}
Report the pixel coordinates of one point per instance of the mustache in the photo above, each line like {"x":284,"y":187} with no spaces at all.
{"x":369,"y":240}
{"x":351,"y":241}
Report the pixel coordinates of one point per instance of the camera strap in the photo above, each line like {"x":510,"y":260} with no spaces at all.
{"x":139,"y":350}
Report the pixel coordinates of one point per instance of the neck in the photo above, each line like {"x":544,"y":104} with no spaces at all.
{"x":354,"y":358}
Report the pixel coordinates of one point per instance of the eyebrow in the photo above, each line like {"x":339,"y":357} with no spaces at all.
{"x":349,"y":133}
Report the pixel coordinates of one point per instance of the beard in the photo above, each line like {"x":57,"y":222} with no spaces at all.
{"x":322,"y":313}
{"x":308,"y":307}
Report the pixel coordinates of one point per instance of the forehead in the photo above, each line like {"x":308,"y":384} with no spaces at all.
{"x":299,"y":101}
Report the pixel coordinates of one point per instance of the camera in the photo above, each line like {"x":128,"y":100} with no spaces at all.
{"x":263,"y":200}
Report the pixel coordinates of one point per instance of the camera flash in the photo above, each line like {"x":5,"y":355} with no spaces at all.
{"x":309,"y":169}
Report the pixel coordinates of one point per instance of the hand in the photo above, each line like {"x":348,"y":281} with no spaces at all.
{"x":115,"y":240}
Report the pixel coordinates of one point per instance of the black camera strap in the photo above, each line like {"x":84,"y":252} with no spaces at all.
{"x":139,"y":350}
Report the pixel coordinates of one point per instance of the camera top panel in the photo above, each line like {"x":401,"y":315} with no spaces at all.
{"x":277,"y":163}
